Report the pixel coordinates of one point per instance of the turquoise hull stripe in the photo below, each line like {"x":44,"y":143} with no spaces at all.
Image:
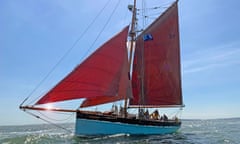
{"x":94,"y":127}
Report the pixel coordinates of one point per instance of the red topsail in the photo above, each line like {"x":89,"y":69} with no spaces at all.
{"x":156,"y":78}
{"x":102,"y":76}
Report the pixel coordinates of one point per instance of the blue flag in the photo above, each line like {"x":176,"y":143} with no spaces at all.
{"x":147,"y":37}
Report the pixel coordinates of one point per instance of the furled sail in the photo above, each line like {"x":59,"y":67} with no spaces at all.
{"x":102,"y":75}
{"x":156,"y":78}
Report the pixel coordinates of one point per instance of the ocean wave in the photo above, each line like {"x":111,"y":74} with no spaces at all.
{"x":219,"y":131}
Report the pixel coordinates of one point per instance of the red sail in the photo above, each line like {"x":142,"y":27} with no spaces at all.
{"x":156,"y":78}
{"x":123,"y":85}
{"x":100,"y":75}
{"x":100,"y":100}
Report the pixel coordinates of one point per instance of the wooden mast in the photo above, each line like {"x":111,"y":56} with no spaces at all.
{"x":132,"y":35}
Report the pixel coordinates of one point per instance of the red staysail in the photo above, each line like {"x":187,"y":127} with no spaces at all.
{"x":101,"y":75}
{"x":156,"y":78}
{"x":122,"y":83}
{"x":100,"y":100}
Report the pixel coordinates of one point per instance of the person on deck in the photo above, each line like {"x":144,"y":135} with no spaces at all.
{"x":121,"y":111}
{"x":146,"y":114}
{"x":155,"y":115}
{"x":165,"y":118}
{"x":114,"y":109}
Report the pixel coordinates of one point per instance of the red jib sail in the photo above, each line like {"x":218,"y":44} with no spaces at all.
{"x":156,"y":78}
{"x":102,"y":75}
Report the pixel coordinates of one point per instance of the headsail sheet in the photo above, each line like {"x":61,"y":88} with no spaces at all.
{"x":100,"y":75}
{"x":156,"y":78}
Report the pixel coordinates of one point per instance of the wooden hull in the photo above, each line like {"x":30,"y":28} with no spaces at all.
{"x":95,"y":124}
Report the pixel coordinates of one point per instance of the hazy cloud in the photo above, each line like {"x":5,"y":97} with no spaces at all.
{"x":210,"y":58}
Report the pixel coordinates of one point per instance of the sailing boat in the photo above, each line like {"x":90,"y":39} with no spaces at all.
{"x":151,"y":80}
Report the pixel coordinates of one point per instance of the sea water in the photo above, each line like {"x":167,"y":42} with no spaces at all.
{"x":217,"y":131}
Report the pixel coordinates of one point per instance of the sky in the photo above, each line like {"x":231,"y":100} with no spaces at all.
{"x":34,"y":35}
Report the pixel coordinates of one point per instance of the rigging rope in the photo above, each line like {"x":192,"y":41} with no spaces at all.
{"x":151,"y":13}
{"x":99,"y":34}
{"x":62,"y":58}
{"x":165,"y":5}
{"x":56,"y":125}
{"x":56,"y":119}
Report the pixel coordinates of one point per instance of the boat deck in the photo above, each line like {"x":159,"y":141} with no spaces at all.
{"x":131,"y":119}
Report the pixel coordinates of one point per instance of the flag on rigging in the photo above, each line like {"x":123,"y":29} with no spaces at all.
{"x":147,"y":37}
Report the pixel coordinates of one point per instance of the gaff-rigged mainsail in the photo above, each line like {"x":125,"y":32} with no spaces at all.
{"x":102,"y":76}
{"x":156,"y":78}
